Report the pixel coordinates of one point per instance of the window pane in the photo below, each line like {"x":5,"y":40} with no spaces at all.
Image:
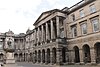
{"x":81,"y":13}
{"x":74,"y":31}
{"x":84,"y":28}
{"x":95,"y":23}
{"x":92,"y":9}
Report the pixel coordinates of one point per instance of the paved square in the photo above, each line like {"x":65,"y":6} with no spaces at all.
{"x":28,"y":64}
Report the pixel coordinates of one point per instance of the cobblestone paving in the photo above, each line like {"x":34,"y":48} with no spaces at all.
{"x":26,"y":64}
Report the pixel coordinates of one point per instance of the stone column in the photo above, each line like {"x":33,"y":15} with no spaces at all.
{"x":52,"y":34}
{"x":38,"y":35}
{"x":89,"y":26}
{"x":58,"y":27}
{"x":59,"y":56}
{"x":93,"y":59}
{"x":47,"y":35}
{"x":42,"y":33}
{"x":78,"y":29}
{"x":51,"y":57}
{"x":81,"y":56}
{"x":46,"y":57}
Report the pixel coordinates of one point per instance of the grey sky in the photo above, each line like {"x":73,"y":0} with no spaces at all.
{"x":19,"y":15}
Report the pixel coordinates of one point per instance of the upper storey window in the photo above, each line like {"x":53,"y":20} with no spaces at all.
{"x":84,"y":28}
{"x":95,"y":24}
{"x":74,"y":31}
{"x":92,"y":8}
{"x":82,"y":13}
{"x":73,"y":17}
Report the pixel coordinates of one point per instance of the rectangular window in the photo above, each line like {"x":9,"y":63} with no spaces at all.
{"x":82,"y":13}
{"x":73,"y":17}
{"x":84,"y":28}
{"x":95,"y":24}
{"x":74,"y":31}
{"x":92,"y":8}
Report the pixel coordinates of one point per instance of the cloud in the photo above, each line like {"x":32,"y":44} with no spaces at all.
{"x":19,"y":15}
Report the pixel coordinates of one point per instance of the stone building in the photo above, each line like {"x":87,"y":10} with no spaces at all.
{"x":67,"y":36}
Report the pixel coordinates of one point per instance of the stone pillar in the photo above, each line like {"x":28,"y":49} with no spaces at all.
{"x":78,"y":29}
{"x":51,"y":57}
{"x":57,"y":25}
{"x":46,"y":59}
{"x":89,"y":26}
{"x":59,"y":56}
{"x":42,"y":33}
{"x":52,"y":33}
{"x":93,"y":59}
{"x":35,"y":35}
{"x":47,"y":33}
{"x":33,"y":57}
{"x":38,"y":35}
{"x":72,"y":56}
{"x":81,"y":56}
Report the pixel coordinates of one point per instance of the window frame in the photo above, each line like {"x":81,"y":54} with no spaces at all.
{"x":82,"y":28}
{"x":92,"y":21}
{"x":82,"y":14}
{"x":73,"y":31}
{"x":92,"y":8}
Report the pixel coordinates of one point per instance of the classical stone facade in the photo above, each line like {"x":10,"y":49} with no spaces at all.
{"x":67,"y":36}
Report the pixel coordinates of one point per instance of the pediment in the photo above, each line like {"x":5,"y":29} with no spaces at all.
{"x":44,"y":15}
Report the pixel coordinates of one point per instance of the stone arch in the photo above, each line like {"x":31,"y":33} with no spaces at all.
{"x":86,"y":53}
{"x":1,"y":56}
{"x":31,"y":59}
{"x":77,"y":55}
{"x":39,"y":56}
{"x":16,"y":56}
{"x":64,"y":54}
{"x":97,"y":51}
{"x":54,"y":55}
{"x":48,"y":55}
{"x":35,"y":56}
{"x":43,"y":56}
{"x":20,"y":57}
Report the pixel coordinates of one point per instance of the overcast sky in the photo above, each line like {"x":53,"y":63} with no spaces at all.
{"x":19,"y":15}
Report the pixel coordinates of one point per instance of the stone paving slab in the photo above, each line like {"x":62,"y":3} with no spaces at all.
{"x":26,"y":64}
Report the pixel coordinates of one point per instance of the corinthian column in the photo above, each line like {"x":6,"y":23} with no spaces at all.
{"x":57,"y":25}
{"x":52,"y":29}
{"x":47,"y":31}
{"x":42,"y":33}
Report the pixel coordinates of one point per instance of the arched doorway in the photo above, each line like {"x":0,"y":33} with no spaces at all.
{"x":39,"y":56}
{"x":77,"y":57}
{"x":20,"y":57}
{"x":43,"y":56}
{"x":16,"y":56}
{"x":54,"y":55}
{"x":48,"y":55}
{"x":86,"y":51}
{"x":31,"y":57}
{"x":1,"y":57}
{"x":97,"y":50}
{"x":35,"y":56}
{"x":64,"y":55}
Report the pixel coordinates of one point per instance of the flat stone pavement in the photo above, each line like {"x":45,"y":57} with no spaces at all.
{"x":29,"y":64}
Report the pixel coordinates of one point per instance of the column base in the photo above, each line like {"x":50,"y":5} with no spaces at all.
{"x":10,"y":61}
{"x":93,"y":63}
